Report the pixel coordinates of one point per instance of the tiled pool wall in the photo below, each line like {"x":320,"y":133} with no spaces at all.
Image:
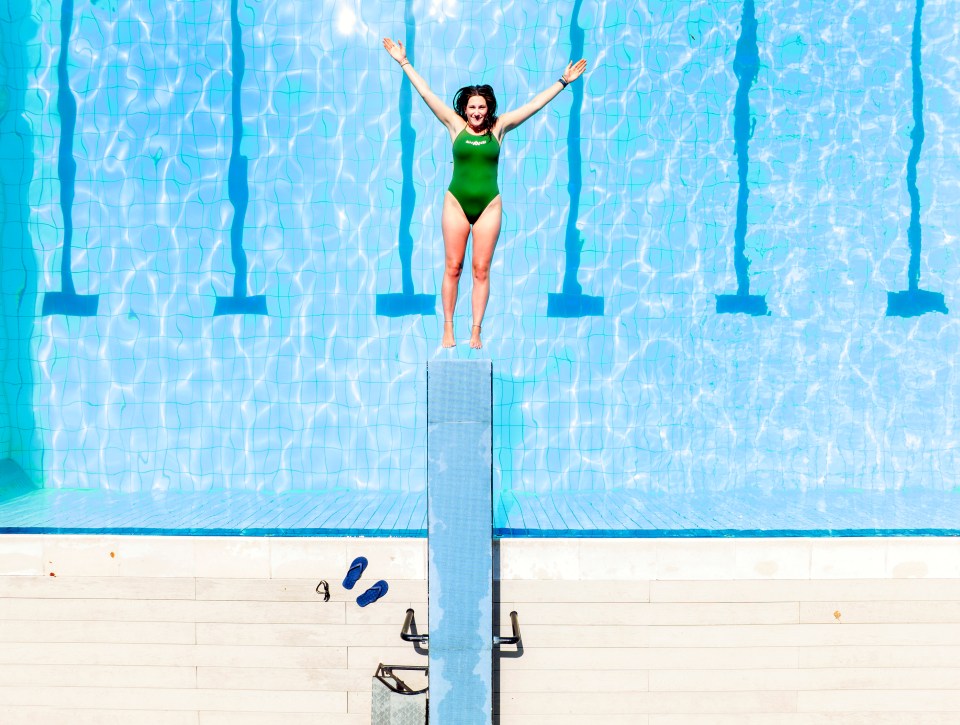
{"x":628,"y":193}
{"x":18,"y":265}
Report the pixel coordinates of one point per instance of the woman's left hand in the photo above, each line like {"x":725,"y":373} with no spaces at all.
{"x":574,"y":70}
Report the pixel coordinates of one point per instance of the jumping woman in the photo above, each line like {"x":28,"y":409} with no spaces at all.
{"x":473,"y":198}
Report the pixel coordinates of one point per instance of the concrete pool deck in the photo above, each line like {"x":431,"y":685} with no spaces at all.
{"x":211,"y":630}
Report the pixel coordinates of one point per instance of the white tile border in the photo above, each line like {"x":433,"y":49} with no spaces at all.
{"x":563,"y":559}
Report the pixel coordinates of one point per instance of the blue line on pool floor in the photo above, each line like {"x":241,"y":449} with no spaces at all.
{"x":592,"y":514}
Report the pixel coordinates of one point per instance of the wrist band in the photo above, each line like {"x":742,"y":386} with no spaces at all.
{"x":403,"y":64}
{"x":563,"y":82}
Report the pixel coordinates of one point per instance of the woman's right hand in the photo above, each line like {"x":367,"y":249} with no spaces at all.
{"x":396,"y":50}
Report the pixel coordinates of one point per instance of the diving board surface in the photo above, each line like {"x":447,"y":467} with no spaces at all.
{"x":460,"y":540}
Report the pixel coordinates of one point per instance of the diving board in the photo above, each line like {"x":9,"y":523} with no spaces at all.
{"x":460,"y":540}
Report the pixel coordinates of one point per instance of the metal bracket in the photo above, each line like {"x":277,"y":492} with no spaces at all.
{"x":408,"y":631}
{"x":405,"y":634}
{"x":515,"y":639}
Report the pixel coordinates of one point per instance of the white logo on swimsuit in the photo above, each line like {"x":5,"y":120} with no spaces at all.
{"x":477,"y":143}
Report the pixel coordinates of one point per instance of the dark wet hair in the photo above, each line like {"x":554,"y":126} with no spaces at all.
{"x":486,"y":92}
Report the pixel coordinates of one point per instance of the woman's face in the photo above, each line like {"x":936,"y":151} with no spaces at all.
{"x":476,"y":111}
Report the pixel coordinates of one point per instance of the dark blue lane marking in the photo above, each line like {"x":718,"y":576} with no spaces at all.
{"x":407,"y":302}
{"x":238,"y":188}
{"x":914,"y":301}
{"x":67,"y":301}
{"x":746,"y":66}
{"x":571,"y":302}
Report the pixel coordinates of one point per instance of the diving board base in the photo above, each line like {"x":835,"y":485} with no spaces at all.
{"x":70,"y":304}
{"x":914,"y":302}
{"x":256,"y":305}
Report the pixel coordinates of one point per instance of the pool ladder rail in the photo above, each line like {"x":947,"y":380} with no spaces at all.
{"x":408,"y":633}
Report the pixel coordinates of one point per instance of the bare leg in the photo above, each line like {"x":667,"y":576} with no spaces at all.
{"x":486,"y":232}
{"x":456,"y":229}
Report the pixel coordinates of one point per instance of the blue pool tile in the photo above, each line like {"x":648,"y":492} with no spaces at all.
{"x":622,"y":512}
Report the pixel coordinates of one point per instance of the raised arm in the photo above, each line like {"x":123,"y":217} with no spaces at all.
{"x":448,"y":117}
{"x":511,"y":119}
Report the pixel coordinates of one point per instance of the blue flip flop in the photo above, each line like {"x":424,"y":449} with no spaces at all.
{"x":354,"y":572}
{"x":373,"y":593}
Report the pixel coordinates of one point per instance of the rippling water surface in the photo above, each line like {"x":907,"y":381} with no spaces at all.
{"x":661,"y":393}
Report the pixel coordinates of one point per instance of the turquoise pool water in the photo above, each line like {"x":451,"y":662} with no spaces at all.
{"x":657,"y":333}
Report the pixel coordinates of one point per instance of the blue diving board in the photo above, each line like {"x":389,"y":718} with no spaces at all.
{"x":460,"y":540}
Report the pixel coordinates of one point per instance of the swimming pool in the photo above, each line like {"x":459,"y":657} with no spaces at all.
{"x":658,"y":334}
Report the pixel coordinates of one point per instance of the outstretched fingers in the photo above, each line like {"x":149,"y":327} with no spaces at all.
{"x":395,"y":49}
{"x":575,"y":70}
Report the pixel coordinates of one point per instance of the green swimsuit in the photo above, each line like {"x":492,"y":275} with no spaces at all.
{"x":474,"y":182}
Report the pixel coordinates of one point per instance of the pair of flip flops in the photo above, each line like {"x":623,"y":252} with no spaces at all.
{"x":354,"y":573}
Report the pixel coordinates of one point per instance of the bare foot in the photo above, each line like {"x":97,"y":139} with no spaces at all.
{"x":475,"y":338}
{"x":448,"y":339}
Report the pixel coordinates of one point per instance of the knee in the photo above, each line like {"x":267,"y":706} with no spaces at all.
{"x":453,"y":269}
{"x":481,"y":272}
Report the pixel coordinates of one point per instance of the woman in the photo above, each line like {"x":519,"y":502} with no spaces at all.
{"x":473,"y":199}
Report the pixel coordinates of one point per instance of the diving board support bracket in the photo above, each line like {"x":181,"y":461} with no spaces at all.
{"x":460,"y":540}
